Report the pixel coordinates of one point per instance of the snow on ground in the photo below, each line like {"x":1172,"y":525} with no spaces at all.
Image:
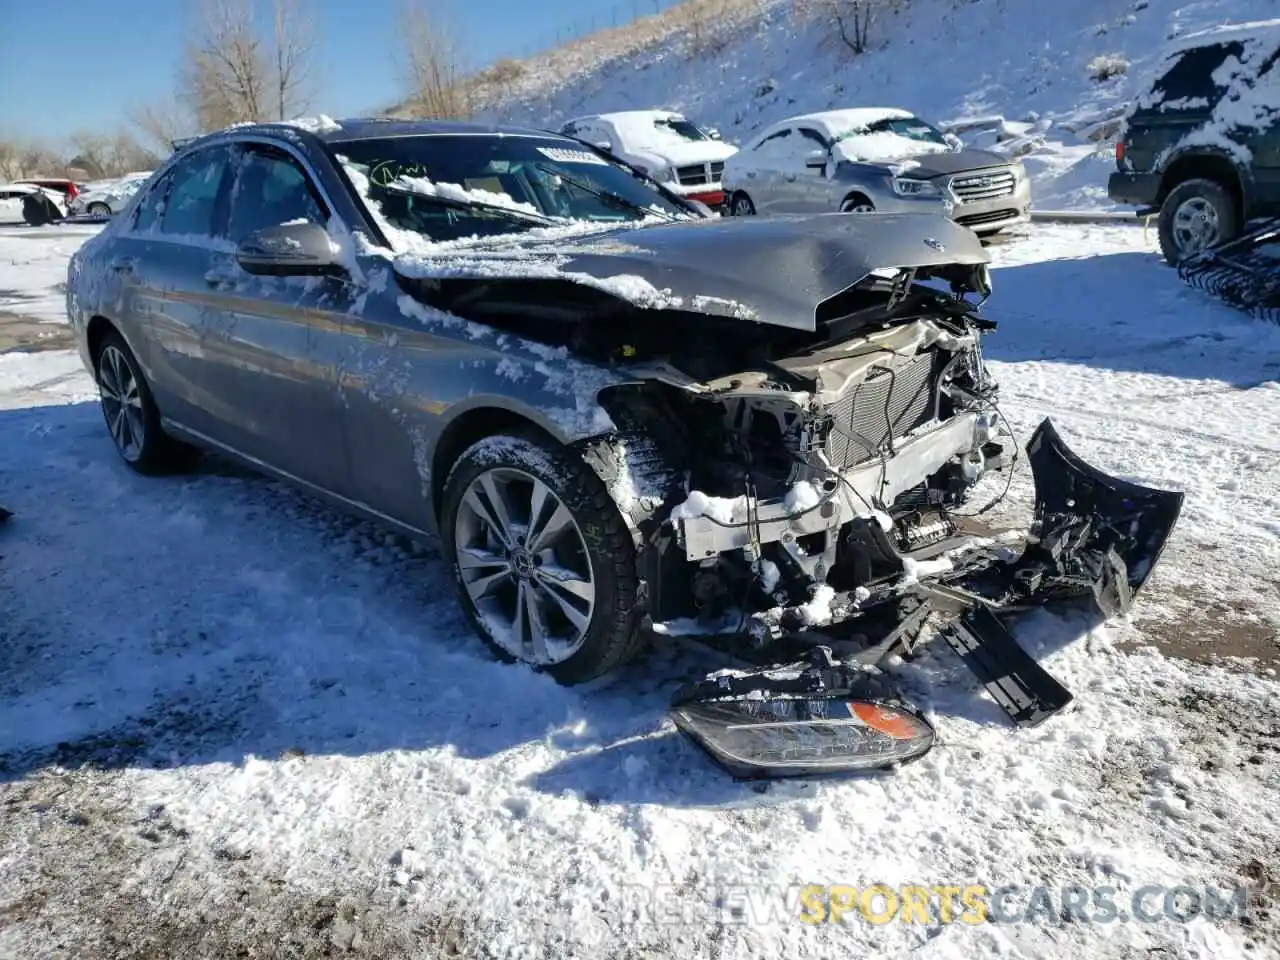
{"x":1020,"y":60}
{"x":233,"y":721}
{"x":33,"y":269}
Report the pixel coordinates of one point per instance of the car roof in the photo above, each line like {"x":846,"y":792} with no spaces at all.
{"x":1262,"y":30}
{"x":853,"y":118}
{"x":20,"y":187}
{"x":622,"y":116}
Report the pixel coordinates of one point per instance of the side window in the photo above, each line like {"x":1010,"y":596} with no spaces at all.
{"x":270,"y":189}
{"x":1196,"y":74}
{"x":813,"y":139}
{"x":773,"y":145}
{"x":191,"y":206}
{"x":149,"y":210}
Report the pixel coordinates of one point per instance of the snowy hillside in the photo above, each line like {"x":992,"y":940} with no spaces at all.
{"x":943,"y":59}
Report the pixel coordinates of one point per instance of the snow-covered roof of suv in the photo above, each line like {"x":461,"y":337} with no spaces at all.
{"x":840,"y":122}
{"x":1260,"y":30}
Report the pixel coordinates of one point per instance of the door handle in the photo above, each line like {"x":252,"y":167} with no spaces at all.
{"x":122,"y":264}
{"x":751,"y":174}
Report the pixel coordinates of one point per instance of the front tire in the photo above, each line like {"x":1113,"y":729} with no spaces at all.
{"x":132,"y":418}
{"x":98,"y":210}
{"x":1196,"y":215}
{"x":742,"y":206}
{"x":857,"y":203}
{"x":543,"y":561}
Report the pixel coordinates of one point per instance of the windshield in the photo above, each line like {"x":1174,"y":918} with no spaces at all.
{"x":682,"y":128}
{"x":910,"y":127}
{"x":454,"y":187}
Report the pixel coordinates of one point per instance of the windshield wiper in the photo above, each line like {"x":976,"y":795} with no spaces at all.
{"x":509,"y":213}
{"x":607,"y":196}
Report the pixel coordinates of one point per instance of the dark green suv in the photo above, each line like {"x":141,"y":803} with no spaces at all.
{"x":1202,"y":143}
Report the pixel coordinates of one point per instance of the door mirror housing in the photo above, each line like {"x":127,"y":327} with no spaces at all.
{"x":816,"y":159}
{"x":713,"y":133}
{"x":289,"y":249}
{"x":605,"y":145}
{"x":954,"y":142}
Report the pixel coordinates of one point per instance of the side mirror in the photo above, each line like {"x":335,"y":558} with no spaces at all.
{"x":816,"y":159}
{"x":954,"y":142}
{"x":605,"y":145}
{"x":713,"y":133}
{"x":290,"y":249}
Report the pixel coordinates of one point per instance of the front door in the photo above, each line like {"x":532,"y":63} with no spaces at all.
{"x":271,"y":347}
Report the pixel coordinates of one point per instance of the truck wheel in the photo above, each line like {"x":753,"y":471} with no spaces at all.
{"x":1196,"y":215}
{"x":544,"y":563}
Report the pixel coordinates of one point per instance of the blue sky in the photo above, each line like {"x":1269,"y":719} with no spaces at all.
{"x":83,"y":64}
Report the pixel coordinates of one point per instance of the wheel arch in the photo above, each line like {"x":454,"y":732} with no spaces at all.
{"x":96,"y":332}
{"x":853,"y":195}
{"x":1206,"y":165}
{"x":471,"y":426}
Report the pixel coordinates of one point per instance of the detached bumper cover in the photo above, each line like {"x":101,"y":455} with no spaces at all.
{"x":1093,"y":536}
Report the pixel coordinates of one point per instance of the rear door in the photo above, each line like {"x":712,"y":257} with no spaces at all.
{"x":1263,"y":139}
{"x":271,"y":345}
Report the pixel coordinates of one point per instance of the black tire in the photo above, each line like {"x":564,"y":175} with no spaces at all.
{"x":856,"y":200}
{"x":156,"y":452}
{"x":98,"y":210}
{"x":1213,"y":196}
{"x":612,"y":635}
{"x":741,"y":205}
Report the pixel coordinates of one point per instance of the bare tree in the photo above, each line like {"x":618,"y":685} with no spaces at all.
{"x":853,"y":19}
{"x":111,"y":155}
{"x":161,"y":123}
{"x":295,"y":49}
{"x":236,"y":73}
{"x":437,"y":86}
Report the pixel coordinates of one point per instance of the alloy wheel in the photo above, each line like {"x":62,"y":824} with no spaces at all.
{"x":121,"y":402}
{"x":742,"y":207}
{"x":862,"y":207}
{"x":1195,"y":225}
{"x":524,"y":564}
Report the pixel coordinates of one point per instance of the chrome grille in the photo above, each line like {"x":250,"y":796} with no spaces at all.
{"x":976,"y":187}
{"x":885,"y":404}
{"x":692,"y":175}
{"x":698,"y":173}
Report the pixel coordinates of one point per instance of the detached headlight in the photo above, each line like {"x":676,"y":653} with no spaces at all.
{"x":796,"y":737}
{"x":908,"y":187}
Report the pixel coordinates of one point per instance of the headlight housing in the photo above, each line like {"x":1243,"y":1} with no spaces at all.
{"x":911,"y":187}
{"x":755,"y":737}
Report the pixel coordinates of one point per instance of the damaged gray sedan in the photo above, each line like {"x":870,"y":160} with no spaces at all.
{"x":619,"y":415}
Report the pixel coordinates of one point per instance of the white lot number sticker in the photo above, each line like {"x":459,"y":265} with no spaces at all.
{"x":561,"y":155}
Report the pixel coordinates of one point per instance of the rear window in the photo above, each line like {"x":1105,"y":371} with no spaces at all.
{"x":1194,"y":77}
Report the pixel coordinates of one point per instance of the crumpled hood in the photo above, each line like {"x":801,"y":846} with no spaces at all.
{"x":769,"y":270}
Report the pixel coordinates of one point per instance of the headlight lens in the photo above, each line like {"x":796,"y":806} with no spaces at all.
{"x":801,"y":737}
{"x":908,"y":187}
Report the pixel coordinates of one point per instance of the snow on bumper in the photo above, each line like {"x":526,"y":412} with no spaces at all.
{"x":709,"y":527}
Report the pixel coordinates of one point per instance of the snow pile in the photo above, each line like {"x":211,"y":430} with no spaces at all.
{"x":724,"y":510}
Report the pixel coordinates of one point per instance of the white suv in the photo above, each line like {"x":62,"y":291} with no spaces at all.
{"x":674,"y":151}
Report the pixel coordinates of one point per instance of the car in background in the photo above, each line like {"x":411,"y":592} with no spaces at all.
{"x":1201,"y":144}
{"x":66,"y":189}
{"x":30,"y":204}
{"x":684,"y":157}
{"x":107,"y":198}
{"x":874,"y":160}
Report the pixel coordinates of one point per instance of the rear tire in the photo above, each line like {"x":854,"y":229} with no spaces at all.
{"x":544,"y":563}
{"x":98,"y":210}
{"x":131,"y":415}
{"x":857,"y":203}
{"x":1196,"y":215}
{"x":742,"y":206}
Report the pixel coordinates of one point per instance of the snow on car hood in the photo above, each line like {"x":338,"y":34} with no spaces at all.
{"x":775,"y":271}
{"x":680,"y":153}
{"x":883,"y":147}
